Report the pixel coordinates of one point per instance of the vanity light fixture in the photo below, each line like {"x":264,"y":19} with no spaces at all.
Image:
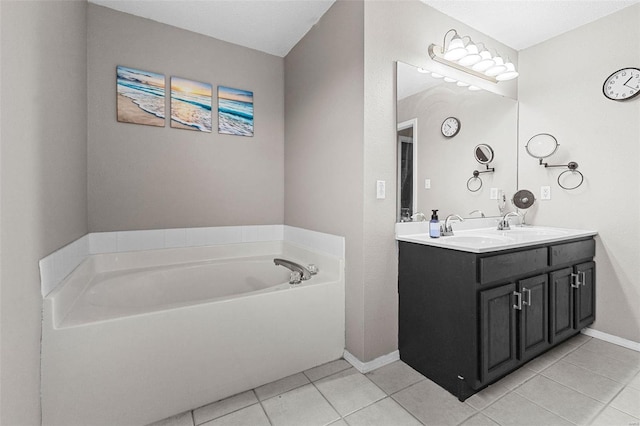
{"x":470,"y":59}
{"x":448,"y":79}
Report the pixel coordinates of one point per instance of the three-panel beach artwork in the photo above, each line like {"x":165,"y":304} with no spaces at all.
{"x":141,"y":100}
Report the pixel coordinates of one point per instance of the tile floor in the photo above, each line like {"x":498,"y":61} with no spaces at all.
{"x":584,"y":381}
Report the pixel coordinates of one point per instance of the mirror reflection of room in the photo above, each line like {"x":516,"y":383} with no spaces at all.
{"x":444,"y":159}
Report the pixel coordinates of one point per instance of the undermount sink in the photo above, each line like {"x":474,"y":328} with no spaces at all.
{"x":532,"y":231}
{"x":479,"y":240}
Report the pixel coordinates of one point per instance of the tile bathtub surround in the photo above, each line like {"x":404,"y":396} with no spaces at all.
{"x":557,"y":392}
{"x":55,"y":267}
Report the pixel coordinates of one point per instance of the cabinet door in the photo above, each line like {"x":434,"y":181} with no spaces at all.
{"x":561,"y":305}
{"x":533,"y":319}
{"x":497,"y":332}
{"x":585,"y":295}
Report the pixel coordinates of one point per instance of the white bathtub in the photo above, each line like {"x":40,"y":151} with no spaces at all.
{"x":130,"y":338}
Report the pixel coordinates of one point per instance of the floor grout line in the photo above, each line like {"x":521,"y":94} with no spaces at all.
{"x":549,"y":411}
{"x":262,"y":406}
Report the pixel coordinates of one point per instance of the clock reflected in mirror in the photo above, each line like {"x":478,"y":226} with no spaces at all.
{"x":450,"y":127}
{"x":622,"y":85}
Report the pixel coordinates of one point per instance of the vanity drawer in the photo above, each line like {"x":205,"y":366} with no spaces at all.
{"x":572,"y":252}
{"x":508,"y":265}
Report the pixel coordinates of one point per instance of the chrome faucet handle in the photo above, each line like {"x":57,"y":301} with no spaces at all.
{"x":503,"y":224}
{"x":419,"y":215}
{"x":313,"y":269}
{"x":295,"y":277}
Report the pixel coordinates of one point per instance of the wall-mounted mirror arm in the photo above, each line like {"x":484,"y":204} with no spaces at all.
{"x":572,"y":165}
{"x":475,"y":183}
{"x":572,"y":169}
{"x":544,"y":145}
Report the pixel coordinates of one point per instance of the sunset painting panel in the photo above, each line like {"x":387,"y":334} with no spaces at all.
{"x":140,"y":97}
{"x":235,"y":111}
{"x":190,"y":104}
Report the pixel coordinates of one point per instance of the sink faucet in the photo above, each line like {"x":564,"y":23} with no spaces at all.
{"x":503,"y":224}
{"x":419,"y":217}
{"x":477,"y":211}
{"x":298,"y":272}
{"x":448,"y":230}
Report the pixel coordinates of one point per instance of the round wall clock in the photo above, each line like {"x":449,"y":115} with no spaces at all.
{"x":450,"y":127}
{"x":623,"y":84}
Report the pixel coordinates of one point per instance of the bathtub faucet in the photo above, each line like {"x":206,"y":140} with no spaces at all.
{"x":298,"y":272}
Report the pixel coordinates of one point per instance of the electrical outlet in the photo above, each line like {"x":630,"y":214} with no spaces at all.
{"x":545,"y":192}
{"x":380,"y":190}
{"x":427,"y":184}
{"x":493,"y":194}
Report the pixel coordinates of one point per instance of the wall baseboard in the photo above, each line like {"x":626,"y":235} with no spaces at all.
{"x":365,"y":367}
{"x":629,"y":344}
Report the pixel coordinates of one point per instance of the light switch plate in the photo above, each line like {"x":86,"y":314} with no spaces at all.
{"x":494,"y":194}
{"x":381,"y":190}
{"x":427,"y":184}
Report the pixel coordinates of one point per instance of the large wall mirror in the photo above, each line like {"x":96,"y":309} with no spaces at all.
{"x":437,"y":161}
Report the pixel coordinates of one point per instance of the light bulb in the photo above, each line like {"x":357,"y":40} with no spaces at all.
{"x":450,"y":80}
{"x":472,"y":56}
{"x":462,"y":84}
{"x":509,"y":74}
{"x":456,"y":49}
{"x":436,"y":75}
{"x":497,"y":68}
{"x":474,"y":88}
{"x":485,"y":63}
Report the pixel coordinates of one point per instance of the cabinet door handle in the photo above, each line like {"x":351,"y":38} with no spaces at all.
{"x":518,"y":304}
{"x":583,"y":278}
{"x":575,"y":280}
{"x":527,"y":300}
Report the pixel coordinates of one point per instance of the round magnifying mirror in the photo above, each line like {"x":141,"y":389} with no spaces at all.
{"x":523,"y":199}
{"x":483,"y":153}
{"x":542,"y":145}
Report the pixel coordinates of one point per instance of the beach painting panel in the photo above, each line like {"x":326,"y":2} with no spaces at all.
{"x":235,"y":111}
{"x":190,"y":104}
{"x":140,"y":96}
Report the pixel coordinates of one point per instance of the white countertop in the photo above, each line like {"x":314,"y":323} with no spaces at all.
{"x":488,"y":239}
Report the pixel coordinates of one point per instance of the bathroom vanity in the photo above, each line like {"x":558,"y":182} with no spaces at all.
{"x":475,"y":306}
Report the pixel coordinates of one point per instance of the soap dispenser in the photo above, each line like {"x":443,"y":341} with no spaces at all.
{"x":434,"y":225}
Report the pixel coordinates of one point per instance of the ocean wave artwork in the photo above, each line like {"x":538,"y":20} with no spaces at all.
{"x":235,"y":111}
{"x":140,"y":97}
{"x":191,"y":104}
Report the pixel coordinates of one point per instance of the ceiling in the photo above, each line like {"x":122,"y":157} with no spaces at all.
{"x":275,"y":26}
{"x":271,"y":26}
{"x":523,"y":23}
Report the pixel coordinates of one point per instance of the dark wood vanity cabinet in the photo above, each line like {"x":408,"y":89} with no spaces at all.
{"x":468,"y":319}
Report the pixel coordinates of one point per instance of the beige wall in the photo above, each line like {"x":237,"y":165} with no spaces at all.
{"x":142,"y":177}
{"x":394,"y":31}
{"x":334,"y":156}
{"x":603,"y":137}
{"x":324,"y":145}
{"x":43,"y":177}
